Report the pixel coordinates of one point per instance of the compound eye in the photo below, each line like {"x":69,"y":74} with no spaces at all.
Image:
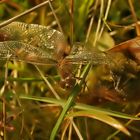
{"x":62,"y":50}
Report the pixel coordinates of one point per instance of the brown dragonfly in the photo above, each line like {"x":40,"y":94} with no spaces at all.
{"x":37,"y":44}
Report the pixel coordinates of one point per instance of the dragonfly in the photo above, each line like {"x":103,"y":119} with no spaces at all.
{"x":37,"y":44}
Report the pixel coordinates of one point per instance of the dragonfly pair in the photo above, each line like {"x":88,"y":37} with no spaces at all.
{"x":37,"y":44}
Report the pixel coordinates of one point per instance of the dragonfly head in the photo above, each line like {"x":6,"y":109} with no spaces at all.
{"x":62,"y":50}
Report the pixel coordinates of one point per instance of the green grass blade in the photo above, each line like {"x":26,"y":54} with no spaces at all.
{"x":80,"y":106}
{"x":69,"y":103}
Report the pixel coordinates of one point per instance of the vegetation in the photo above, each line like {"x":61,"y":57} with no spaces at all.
{"x":100,"y":100}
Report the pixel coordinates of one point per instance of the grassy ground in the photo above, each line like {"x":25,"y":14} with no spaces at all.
{"x":101,"y":100}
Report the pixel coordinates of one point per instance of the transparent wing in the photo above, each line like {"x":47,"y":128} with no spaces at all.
{"x":85,"y":56}
{"x":15,"y":50}
{"x":38,"y":44}
{"x":39,"y":36}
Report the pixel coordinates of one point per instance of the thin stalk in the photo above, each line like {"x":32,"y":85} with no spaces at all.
{"x":3,"y":99}
{"x":77,"y":131}
{"x":65,"y":129}
{"x":48,"y":84}
{"x":5,"y":77}
{"x":70,"y":130}
{"x":4,"y":119}
{"x":91,"y":22}
{"x":22,"y":14}
{"x":105,"y":18}
{"x":99,"y":23}
{"x":42,"y":14}
{"x":71,"y":20}
{"x":57,"y":20}
{"x":134,"y":17}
